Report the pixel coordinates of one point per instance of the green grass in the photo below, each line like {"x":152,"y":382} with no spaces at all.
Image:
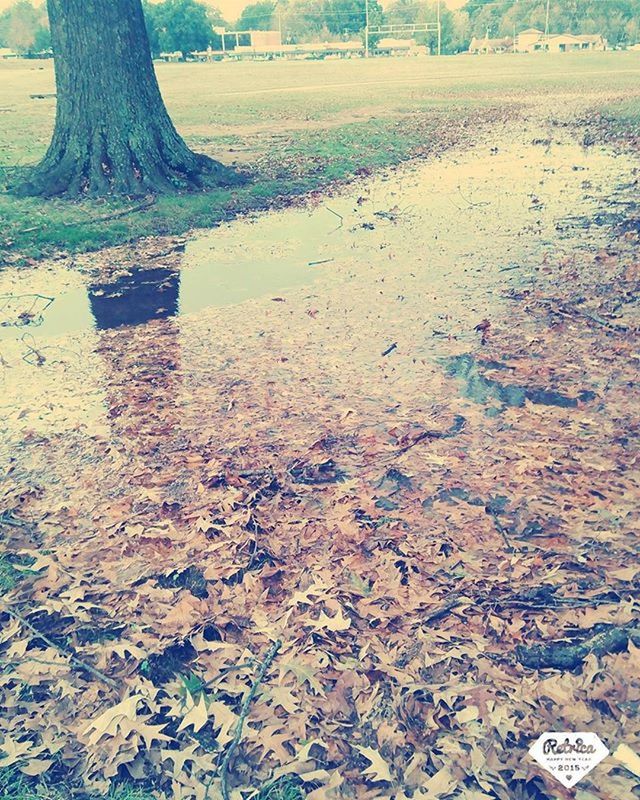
{"x":295,"y":126}
{"x":623,"y":117}
{"x":282,"y":789}
{"x":9,"y":575}
{"x":15,"y":786}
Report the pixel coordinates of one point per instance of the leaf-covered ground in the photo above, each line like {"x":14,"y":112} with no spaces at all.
{"x":419,"y":478}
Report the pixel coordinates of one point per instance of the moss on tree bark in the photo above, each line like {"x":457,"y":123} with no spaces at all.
{"x":112,"y":133}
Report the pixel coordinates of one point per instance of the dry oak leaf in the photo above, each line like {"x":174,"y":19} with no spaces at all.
{"x":197,"y":714}
{"x":440,"y":784}
{"x":13,"y":750}
{"x":379,"y":769}
{"x":37,"y":766}
{"x":304,"y":673}
{"x":225,"y":719}
{"x":628,"y":758}
{"x":339,"y":622}
{"x":107,"y":723}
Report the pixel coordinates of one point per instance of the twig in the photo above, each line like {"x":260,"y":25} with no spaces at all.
{"x":91,"y":670}
{"x":444,"y":609}
{"x":572,"y":313}
{"x":503,"y":533}
{"x":335,"y":214}
{"x":390,"y":349}
{"x":470,"y":202}
{"x":458,"y":424}
{"x":244,"y":712}
{"x":315,"y":263}
{"x":225,"y":671}
{"x":116,"y":214}
{"x":512,"y":266}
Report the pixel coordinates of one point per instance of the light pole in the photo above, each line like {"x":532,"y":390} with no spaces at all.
{"x":366,"y":28}
{"x":546,"y":26}
{"x":439,"y":30}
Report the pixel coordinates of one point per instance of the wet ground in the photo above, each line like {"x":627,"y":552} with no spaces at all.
{"x":446,"y":237}
{"x":324,"y":424}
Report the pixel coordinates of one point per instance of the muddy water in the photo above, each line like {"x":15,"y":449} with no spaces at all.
{"x":440,"y":240}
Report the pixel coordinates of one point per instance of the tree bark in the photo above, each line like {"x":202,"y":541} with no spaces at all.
{"x":112,"y":133}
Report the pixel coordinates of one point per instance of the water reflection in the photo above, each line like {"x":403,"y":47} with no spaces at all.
{"x":135,"y":298}
{"x":139,"y":343}
{"x":485,"y":390}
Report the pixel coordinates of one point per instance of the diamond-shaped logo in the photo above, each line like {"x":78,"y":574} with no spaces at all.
{"x":568,"y":756}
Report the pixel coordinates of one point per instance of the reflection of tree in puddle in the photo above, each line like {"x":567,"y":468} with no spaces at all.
{"x":138,"y":341}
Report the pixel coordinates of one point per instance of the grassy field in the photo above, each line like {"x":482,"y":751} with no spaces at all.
{"x":295,"y":126}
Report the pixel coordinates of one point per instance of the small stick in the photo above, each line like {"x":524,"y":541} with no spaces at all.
{"x":390,"y":349}
{"x":91,"y":670}
{"x":444,"y":609}
{"x":503,"y":533}
{"x":244,"y":712}
{"x":507,"y":269}
{"x":315,"y":263}
{"x":116,"y":214}
{"x":226,"y":671}
{"x":335,"y":214}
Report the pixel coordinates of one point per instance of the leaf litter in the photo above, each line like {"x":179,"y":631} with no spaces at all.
{"x":182,"y":495}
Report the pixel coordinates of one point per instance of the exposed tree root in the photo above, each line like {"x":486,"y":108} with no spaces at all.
{"x":99,"y":163}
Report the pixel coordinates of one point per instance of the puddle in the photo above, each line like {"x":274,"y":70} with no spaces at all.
{"x":483,"y":390}
{"x":468,"y":213}
{"x":210,"y":276}
{"x":372,"y":286}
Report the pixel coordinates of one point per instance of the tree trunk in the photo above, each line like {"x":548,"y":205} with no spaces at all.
{"x":112,"y":132}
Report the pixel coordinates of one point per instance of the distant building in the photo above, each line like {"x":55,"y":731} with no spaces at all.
{"x":398,"y":47}
{"x":486,"y":45}
{"x":533,"y":40}
{"x":529,"y":41}
{"x":6,"y":54}
{"x":568,"y":42}
{"x":175,"y":56}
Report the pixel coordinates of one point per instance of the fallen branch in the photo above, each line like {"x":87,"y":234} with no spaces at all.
{"x":244,"y":713}
{"x":445,"y":608}
{"x":496,"y":604}
{"x":74,"y":658}
{"x":572,"y":312}
{"x":116,"y":214}
{"x":564,"y":655}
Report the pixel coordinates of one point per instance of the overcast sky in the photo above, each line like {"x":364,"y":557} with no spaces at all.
{"x":231,"y":9}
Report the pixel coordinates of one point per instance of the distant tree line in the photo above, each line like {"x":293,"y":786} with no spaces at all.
{"x":617,"y":20}
{"x":187,"y":25}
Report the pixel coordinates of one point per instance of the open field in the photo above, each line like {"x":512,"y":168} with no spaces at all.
{"x":296,"y":127}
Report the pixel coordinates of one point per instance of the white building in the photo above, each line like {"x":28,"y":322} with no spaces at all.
{"x":533,"y":40}
{"x":568,"y":42}
{"x":529,"y":41}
